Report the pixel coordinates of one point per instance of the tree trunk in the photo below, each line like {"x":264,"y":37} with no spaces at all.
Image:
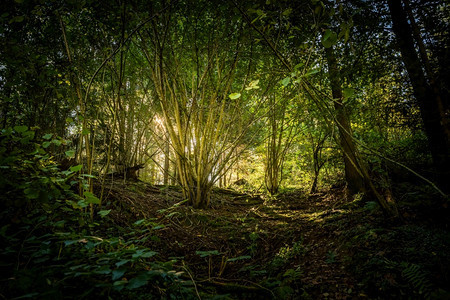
{"x":426,"y":97}
{"x":356,"y":175}
{"x":166,"y":160}
{"x":355,"y":180}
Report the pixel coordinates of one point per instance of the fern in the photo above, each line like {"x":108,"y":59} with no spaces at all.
{"x":418,"y":278}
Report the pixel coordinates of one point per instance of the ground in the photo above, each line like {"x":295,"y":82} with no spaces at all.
{"x":293,"y":246}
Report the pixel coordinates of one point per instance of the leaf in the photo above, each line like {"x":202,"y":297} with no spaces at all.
{"x":311,"y":72}
{"x":234,"y":96}
{"x":76,"y":168}
{"x":286,"y":81}
{"x":17,"y":19}
{"x":46,"y":144}
{"x":47,"y":136}
{"x":31,"y":193}
{"x":57,"y":142}
{"x":207,"y":253}
{"x":253,"y":85}
{"x":70,"y":153}
{"x":122,"y":262}
{"x":118,"y":273}
{"x":239,"y":258}
{"x":104,"y":213}
{"x":91,"y":198}
{"x":326,"y":35}
{"x":104,"y":270}
{"x":137,"y":282}
{"x":144,"y":253}
{"x":348,"y":92}
{"x":20,"y":129}
{"x":139,"y":222}
{"x":329,"y":38}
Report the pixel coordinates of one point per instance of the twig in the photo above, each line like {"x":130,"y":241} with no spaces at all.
{"x":192,"y":279}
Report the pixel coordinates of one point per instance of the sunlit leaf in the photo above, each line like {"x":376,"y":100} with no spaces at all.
{"x":47,"y":136}
{"x":234,"y":96}
{"x":286,"y":81}
{"x":311,"y":72}
{"x":104,"y":213}
{"x":91,"y":198}
{"x":76,"y":168}
{"x":253,"y":85}
{"x":70,"y":153}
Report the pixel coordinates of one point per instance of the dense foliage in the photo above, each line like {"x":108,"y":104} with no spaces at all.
{"x":171,"y":100}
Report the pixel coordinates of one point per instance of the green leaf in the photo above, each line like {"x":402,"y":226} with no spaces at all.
{"x":57,"y":142}
{"x":122,"y":262}
{"x":91,"y":198}
{"x":116,"y":274}
{"x":348,"y":92}
{"x":144,"y":253}
{"x":46,"y":144}
{"x":17,"y":19}
{"x":76,"y":168}
{"x":253,"y":85}
{"x":47,"y":136}
{"x":20,"y":129}
{"x":286,"y":81}
{"x":70,"y":153}
{"x":329,"y":38}
{"x":31,"y":193}
{"x":137,"y":282}
{"x":103,"y":270}
{"x":234,"y":96}
{"x":207,"y":253}
{"x":85,"y":131}
{"x":311,"y":72}
{"x":239,"y":258}
{"x":104,"y":213}
{"x":139,"y":222}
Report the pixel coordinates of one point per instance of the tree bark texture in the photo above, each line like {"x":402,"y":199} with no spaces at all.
{"x":355,"y":180}
{"x":428,"y":100}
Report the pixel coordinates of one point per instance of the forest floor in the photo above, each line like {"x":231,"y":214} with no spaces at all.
{"x":293,"y":246}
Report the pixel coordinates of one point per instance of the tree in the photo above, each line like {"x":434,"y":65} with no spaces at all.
{"x":428,"y":99}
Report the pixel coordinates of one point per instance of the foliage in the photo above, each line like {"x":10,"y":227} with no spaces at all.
{"x":50,"y":247}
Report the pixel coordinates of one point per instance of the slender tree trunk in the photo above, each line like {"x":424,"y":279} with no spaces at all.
{"x":166,"y":159}
{"x":355,"y":180}
{"x":427,"y":98}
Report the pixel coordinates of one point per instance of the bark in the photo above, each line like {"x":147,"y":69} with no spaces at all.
{"x":166,"y":159}
{"x":355,"y":180}
{"x":356,"y":175}
{"x":427,"y":98}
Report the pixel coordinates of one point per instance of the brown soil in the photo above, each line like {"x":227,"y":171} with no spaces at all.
{"x":288,"y":247}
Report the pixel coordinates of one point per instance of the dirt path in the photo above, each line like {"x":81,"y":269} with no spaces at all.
{"x":285,"y":248}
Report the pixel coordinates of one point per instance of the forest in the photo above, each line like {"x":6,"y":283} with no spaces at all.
{"x":224,"y":149}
